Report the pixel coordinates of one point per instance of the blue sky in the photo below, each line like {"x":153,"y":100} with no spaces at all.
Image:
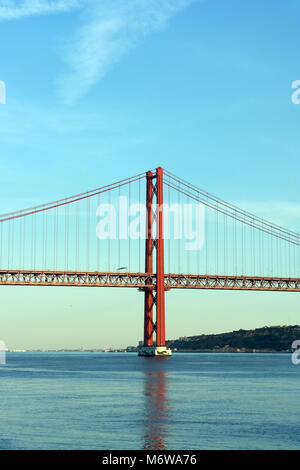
{"x":100,"y":90}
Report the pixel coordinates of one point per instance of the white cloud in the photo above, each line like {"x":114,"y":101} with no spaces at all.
{"x":15,"y":9}
{"x":111,"y":29}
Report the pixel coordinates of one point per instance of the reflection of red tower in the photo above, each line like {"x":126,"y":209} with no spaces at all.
{"x":159,"y":299}
{"x":156,"y":410}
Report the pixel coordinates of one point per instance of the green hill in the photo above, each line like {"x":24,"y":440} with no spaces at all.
{"x":266,"y":339}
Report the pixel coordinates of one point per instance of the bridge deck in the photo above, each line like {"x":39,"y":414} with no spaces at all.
{"x":142,"y":280}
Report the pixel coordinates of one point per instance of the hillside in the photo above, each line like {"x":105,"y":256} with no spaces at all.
{"x":266,"y":339}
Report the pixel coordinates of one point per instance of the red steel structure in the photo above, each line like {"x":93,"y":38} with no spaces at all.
{"x":146,"y":281}
{"x":149,"y":298}
{"x":160,"y":272}
{"x":278,"y":249}
{"x":157,"y":298}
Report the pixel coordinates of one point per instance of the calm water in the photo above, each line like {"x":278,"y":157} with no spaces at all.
{"x":121,"y":401}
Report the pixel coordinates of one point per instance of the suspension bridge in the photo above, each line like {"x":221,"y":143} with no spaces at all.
{"x":153,"y":232}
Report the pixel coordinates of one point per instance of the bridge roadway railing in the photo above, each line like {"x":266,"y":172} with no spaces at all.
{"x":146,"y":280}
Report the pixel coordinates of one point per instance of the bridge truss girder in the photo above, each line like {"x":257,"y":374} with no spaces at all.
{"x":146,"y":280}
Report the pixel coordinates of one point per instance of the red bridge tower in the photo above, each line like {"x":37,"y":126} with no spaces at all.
{"x":155,"y":297}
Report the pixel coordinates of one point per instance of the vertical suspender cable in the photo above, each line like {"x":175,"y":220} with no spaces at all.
{"x":169,"y":234}
{"x":140,"y":227}
{"x":77,"y":237}
{"x":56,"y":238}
{"x":206,"y":240}
{"x":1,"y":245}
{"x":88,"y":234}
{"x":66,"y":237}
{"x":253,"y":248}
{"x":235,"y":244}
{"x":128,"y":233}
{"x":216,"y":240}
{"x":24,"y":241}
{"x":109,"y":229}
{"x":98,"y":235}
{"x":35,"y":242}
{"x":185,"y":222}
{"x":179,"y":232}
{"x":225,"y":244}
{"x":119,"y":219}
{"x":20,"y":242}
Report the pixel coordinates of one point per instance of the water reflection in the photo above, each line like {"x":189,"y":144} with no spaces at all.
{"x":157,"y":403}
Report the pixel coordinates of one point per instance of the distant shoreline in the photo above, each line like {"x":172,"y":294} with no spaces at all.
{"x":231,"y":352}
{"x":185,"y":351}
{"x":268,"y":339}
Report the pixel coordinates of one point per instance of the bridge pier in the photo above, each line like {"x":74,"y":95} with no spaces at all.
{"x":149,"y":348}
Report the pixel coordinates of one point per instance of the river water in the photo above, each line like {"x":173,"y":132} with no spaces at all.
{"x":121,"y":401}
